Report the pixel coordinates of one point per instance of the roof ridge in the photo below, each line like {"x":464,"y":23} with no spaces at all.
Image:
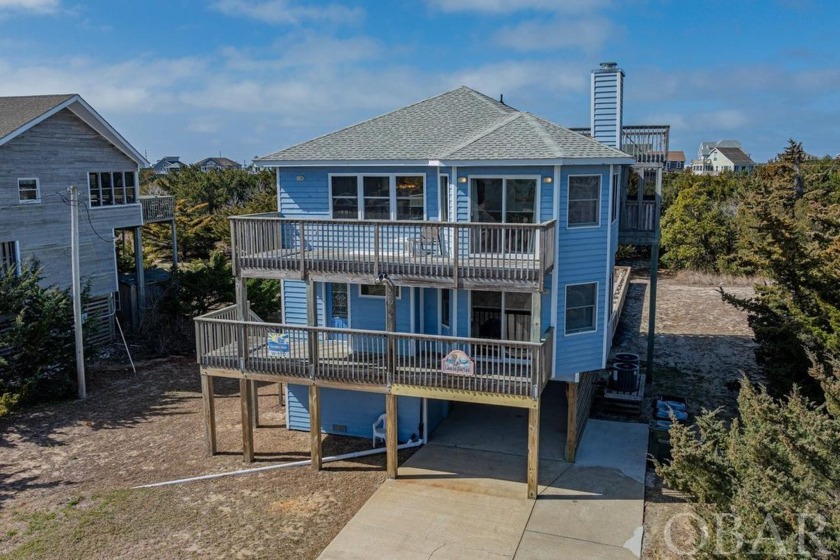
{"x":588,"y":138}
{"x":371,"y":119}
{"x":510,"y":117}
{"x":487,"y":100}
{"x":542,"y":133}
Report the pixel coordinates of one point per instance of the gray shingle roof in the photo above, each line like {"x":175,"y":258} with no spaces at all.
{"x":461,"y":124}
{"x":736,"y":156}
{"x":17,"y":111}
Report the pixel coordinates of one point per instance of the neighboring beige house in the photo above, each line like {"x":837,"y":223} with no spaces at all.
{"x":730,"y":159}
{"x":723,"y":155}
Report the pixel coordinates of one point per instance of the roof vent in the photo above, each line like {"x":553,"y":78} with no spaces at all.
{"x":609,"y":65}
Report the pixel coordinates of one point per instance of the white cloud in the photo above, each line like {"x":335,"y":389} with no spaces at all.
{"x":589,"y":34}
{"x":32,"y":6}
{"x":287,"y":11}
{"x":521,"y":79}
{"x":510,"y":6}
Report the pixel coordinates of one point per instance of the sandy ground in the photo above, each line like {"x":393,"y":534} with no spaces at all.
{"x":67,"y":469}
{"x":703,"y":346}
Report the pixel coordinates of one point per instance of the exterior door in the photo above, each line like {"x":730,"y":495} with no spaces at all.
{"x":501,"y":315}
{"x":503,"y":201}
{"x":338,"y":308}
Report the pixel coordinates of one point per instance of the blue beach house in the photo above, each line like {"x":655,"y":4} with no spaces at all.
{"x":456,"y":249}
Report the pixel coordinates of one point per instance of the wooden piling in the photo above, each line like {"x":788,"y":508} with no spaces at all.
{"x":533,"y":452}
{"x":315,"y":425}
{"x":209,"y":413}
{"x":246,"y":400}
{"x":391,"y":434}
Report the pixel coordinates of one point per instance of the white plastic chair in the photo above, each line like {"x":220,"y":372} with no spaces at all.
{"x":379,"y":429}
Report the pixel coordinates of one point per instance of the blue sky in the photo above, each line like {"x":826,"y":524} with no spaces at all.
{"x":248,"y":77}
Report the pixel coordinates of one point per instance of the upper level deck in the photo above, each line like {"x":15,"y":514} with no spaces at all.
{"x":465,"y":255}
{"x":157,"y":208}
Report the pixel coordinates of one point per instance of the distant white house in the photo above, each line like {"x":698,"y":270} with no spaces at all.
{"x":723,"y":155}
{"x":730,"y":159}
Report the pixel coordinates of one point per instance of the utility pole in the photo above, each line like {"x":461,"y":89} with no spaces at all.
{"x":77,"y":292}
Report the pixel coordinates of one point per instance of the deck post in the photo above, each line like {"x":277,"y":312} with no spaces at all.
{"x":533,"y":451}
{"x":139,"y":271}
{"x":312,"y":321}
{"x":315,"y":425}
{"x":245,"y":389}
{"x":255,"y":405}
{"x":209,"y":413}
{"x":391,"y":434}
{"x":571,"y":421}
{"x":174,"y":247}
{"x":654,"y":273}
{"x":390,"y":327}
{"x":536,"y":317}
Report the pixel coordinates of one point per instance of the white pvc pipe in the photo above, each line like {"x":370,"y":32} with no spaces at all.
{"x":333,"y":458}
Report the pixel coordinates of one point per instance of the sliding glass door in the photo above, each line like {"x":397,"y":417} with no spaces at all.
{"x":503,"y":201}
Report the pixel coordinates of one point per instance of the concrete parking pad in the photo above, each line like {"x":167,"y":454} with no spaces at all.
{"x":465,"y":503}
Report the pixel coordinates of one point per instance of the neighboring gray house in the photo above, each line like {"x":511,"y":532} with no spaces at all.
{"x":47,"y":144}
{"x":167,"y":164}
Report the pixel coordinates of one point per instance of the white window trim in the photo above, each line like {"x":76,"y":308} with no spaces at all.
{"x":615,"y":198}
{"x":504,"y":178}
{"x":569,"y":199}
{"x":15,"y":244}
{"x":368,"y":296}
{"x":449,"y":205}
{"x":566,"y":308}
{"x":124,"y":204}
{"x":392,"y":191}
{"x":37,"y":190}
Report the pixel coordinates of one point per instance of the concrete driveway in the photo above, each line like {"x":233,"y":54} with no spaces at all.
{"x":457,"y":498}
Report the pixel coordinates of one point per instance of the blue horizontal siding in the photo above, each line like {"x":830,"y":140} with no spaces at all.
{"x":294,"y":302}
{"x":354,"y":410}
{"x":310,"y":196}
{"x":582,"y":258}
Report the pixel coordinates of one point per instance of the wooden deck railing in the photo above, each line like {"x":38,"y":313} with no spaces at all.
{"x":373,"y":359}
{"x":457,"y":254}
{"x":641,"y":218}
{"x":157,"y":208}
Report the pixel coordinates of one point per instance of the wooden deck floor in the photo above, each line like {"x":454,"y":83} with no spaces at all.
{"x":468,"y":271}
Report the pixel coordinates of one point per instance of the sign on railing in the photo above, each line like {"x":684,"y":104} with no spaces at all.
{"x":373,"y":358}
{"x":457,"y":363}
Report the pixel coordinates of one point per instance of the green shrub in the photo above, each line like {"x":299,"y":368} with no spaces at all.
{"x":37,"y":344}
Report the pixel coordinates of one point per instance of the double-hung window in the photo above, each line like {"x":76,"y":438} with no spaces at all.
{"x":377,"y":197}
{"x":29,"y":190}
{"x":581,"y":302}
{"x":109,"y":188}
{"x":584,"y":200}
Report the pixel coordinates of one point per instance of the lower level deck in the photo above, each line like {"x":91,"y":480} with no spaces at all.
{"x":476,"y":370}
